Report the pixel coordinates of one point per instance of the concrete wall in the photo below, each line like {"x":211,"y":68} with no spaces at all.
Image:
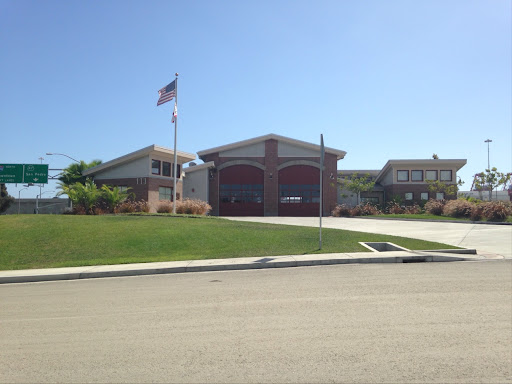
{"x":137,"y":168}
{"x":195,"y":184}
{"x":46,"y":206}
{"x":484,"y":195}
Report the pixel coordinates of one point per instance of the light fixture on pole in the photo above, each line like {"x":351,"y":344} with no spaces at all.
{"x":62,"y":154}
{"x":488,"y":158}
{"x":37,"y":200}
{"x":19,"y":199}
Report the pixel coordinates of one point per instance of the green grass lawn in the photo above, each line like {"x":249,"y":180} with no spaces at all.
{"x":46,"y":241}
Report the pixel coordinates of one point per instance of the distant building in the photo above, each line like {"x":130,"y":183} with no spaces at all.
{"x":406,"y":180}
{"x":148,"y":172}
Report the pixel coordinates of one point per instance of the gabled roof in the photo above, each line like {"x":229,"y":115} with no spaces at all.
{"x":198,"y":167}
{"x":183,"y":157}
{"x":424,"y":163}
{"x":339,"y":153}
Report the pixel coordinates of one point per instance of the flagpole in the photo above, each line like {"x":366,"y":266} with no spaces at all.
{"x":175,"y":153}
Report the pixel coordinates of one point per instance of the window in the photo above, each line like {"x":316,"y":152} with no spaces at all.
{"x":416,"y":175}
{"x":165,"y":193}
{"x":439,"y":196}
{"x":241,"y":193}
{"x":402,"y":175}
{"x":430,"y":175}
{"x":371,"y":200}
{"x":155,"y":167}
{"x":424,"y":195}
{"x":123,"y":188}
{"x":166,"y":169}
{"x":408,"y":196}
{"x":446,"y":175}
{"x":299,"y":193}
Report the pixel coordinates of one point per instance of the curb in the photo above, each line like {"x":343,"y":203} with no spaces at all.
{"x":141,"y":269}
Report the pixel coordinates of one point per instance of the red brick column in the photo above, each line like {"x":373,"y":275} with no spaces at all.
{"x":329,"y":185}
{"x":271,"y":181}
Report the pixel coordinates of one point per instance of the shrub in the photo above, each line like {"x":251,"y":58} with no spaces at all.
{"x":496,"y":210}
{"x":394,"y":208}
{"x":369,"y":210}
{"x":193,"y":207}
{"x":164,"y":207}
{"x":476,"y":212}
{"x":130,"y":206}
{"x":434,"y":207}
{"x":458,"y":208}
{"x":186,"y":207}
{"x":356,"y":211}
{"x":413,"y":209}
{"x":341,"y":210}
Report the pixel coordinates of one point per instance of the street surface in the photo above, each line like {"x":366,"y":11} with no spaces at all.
{"x":403,"y":323}
{"x":488,"y":239}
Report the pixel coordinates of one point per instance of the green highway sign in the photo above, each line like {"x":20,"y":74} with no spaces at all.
{"x":23,"y":173}
{"x":36,"y":173}
{"x":11,"y":173}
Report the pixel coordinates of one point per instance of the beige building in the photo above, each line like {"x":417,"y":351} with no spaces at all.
{"x":148,"y":172}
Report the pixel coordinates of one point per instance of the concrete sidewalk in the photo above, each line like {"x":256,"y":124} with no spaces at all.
{"x":88,"y":272}
{"x":487,"y":239}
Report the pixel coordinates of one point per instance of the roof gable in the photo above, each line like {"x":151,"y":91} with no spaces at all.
{"x":183,"y":157}
{"x":281,"y":139}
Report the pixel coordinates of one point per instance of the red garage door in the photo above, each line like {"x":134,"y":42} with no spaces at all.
{"x":241,"y":191}
{"x":299,"y":191}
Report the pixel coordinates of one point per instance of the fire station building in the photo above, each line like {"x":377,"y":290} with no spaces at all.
{"x":269,"y":175}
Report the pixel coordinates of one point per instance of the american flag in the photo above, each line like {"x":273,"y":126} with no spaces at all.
{"x":167,"y":93}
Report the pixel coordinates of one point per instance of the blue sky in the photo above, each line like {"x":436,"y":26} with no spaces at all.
{"x":379,"y":79}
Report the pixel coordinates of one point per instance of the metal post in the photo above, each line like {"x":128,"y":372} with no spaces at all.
{"x":322,"y":156}
{"x":488,"y":157}
{"x":175,"y":154}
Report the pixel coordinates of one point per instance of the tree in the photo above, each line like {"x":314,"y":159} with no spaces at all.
{"x":83,"y":196}
{"x":440,"y":187}
{"x":73,"y":173}
{"x":358,"y":184}
{"x":113,"y":196}
{"x":5,"y":199}
{"x":491,"y":179}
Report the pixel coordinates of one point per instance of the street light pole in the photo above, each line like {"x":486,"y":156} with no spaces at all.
{"x":19,"y":199}
{"x":40,"y":185}
{"x":488,"y":158}
{"x":62,"y":154}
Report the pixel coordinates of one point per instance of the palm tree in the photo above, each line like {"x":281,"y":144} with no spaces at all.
{"x":73,"y":173}
{"x":113,"y":196}
{"x":82,"y":196}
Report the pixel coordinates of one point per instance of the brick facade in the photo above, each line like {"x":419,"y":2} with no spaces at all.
{"x":271,"y":163}
{"x":145,"y":188}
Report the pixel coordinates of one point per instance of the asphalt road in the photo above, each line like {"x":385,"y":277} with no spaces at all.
{"x":428,"y":322}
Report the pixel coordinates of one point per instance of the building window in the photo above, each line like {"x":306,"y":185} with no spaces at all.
{"x":371,"y":200}
{"x":241,"y":193}
{"x":446,"y":175}
{"x":299,"y":193}
{"x":430,"y":175}
{"x":402,"y":175}
{"x":178,"y":170}
{"x":165,"y":193}
{"x":416,"y":175}
{"x":123,"y":188}
{"x":439,"y":196}
{"x":155,"y":167}
{"x":166,"y":169}
{"x":408,"y":196}
{"x":424,"y":195}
